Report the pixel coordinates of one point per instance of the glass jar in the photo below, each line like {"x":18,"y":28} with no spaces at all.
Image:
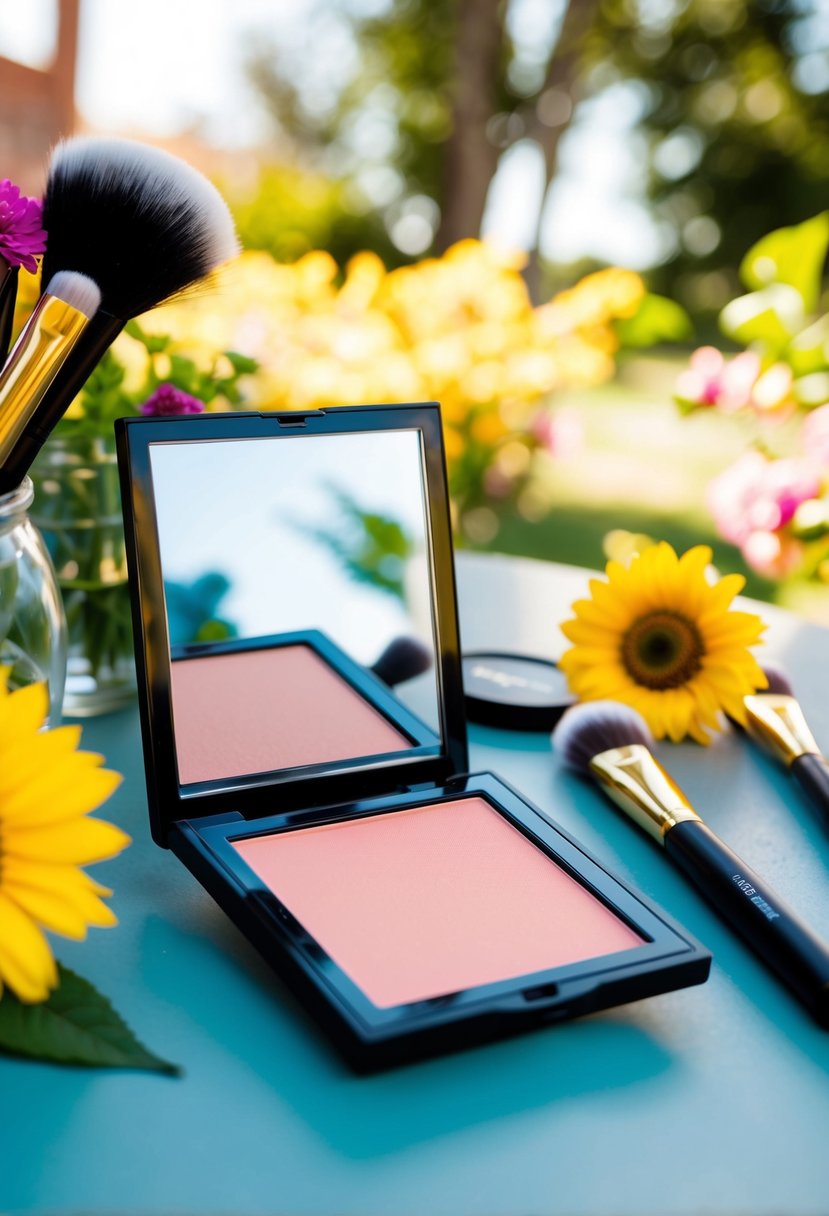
{"x":32,"y":625}
{"x":78,"y":510}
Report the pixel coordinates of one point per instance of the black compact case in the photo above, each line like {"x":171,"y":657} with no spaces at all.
{"x":331,"y":531}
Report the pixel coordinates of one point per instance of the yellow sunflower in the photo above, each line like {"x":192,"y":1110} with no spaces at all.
{"x":660,"y":638}
{"x":47,"y":788}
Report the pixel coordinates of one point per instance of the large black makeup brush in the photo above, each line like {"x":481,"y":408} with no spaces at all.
{"x":144,"y":226}
{"x":775,"y":720}
{"x":612,"y":743}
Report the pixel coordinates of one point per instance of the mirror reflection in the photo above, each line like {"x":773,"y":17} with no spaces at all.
{"x":298,"y":599}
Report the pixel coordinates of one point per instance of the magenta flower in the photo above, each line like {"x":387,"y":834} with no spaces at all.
{"x":754,"y":499}
{"x":22,"y":236}
{"x":167,"y":400}
{"x":711,"y":381}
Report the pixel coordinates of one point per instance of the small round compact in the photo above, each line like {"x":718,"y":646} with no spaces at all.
{"x":514,"y":691}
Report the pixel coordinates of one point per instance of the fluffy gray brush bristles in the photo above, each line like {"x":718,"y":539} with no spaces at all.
{"x":597,"y":726}
{"x":75,"y":289}
{"x":778,"y":680}
{"x":142,"y":224}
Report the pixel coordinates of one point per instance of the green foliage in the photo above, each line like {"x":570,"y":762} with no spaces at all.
{"x":733,"y":135}
{"x":777,"y":319}
{"x":322,"y":197}
{"x":292,"y":210}
{"x":769,"y":318}
{"x":378,"y":130}
{"x":794,"y":256}
{"x":219,"y":379}
{"x":103,"y":398}
{"x":372,"y":548}
{"x":76,"y":1025}
{"x":657,"y":319}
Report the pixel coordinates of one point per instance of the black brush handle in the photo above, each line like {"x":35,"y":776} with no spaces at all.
{"x":8,"y":299}
{"x":748,"y":904}
{"x":812,"y":775}
{"x":80,"y":363}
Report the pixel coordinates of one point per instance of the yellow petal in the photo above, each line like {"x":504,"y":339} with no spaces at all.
{"x":26,"y":962}
{"x":24,"y":711}
{"x":60,"y":898}
{"x":45,"y":749}
{"x":78,"y":842}
{"x":65,"y":791}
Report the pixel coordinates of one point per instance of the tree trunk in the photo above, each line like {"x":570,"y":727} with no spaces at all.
{"x":470,"y":157}
{"x":562,"y":75}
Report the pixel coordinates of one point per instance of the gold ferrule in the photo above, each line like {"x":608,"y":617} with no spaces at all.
{"x":777,"y":722}
{"x":637,"y":782}
{"x":49,"y":335}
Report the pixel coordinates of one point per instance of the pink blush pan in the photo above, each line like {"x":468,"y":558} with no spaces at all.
{"x":434,"y":899}
{"x":253,"y":711}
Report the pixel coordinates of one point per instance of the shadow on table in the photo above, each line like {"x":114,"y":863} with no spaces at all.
{"x":263,"y":1029}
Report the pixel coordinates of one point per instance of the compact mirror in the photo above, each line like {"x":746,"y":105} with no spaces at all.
{"x":297,"y":593}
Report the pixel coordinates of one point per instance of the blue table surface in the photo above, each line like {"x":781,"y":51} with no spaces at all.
{"x":711,"y":1100}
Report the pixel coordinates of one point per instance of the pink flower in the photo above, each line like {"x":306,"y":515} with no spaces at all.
{"x":709,"y":380}
{"x":754,"y":499}
{"x":559,"y":431}
{"x":167,"y":400}
{"x":22,"y":236}
{"x":814,"y":435}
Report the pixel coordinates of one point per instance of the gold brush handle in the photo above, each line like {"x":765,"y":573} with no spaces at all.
{"x":49,"y":335}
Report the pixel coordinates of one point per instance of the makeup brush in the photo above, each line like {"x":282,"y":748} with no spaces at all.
{"x":612,"y":743}
{"x":58,"y":320}
{"x":8,"y":298}
{"x":403,"y":658}
{"x":775,"y":720}
{"x":144,"y":226}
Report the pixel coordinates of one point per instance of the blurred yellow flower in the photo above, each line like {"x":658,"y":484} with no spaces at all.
{"x":460,"y":329}
{"x":47,"y":789}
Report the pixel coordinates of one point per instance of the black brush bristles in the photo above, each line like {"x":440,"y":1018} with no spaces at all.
{"x":778,"y":680}
{"x":141,"y":223}
{"x":585,"y":730}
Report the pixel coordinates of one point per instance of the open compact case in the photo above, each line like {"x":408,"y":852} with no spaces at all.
{"x":305,"y":743}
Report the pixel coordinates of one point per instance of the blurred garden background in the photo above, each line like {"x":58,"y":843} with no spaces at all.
{"x":628,"y":165}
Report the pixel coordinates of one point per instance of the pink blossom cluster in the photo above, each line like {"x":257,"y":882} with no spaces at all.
{"x":732,"y":385}
{"x":560,"y":432}
{"x":755,"y":500}
{"x":168,"y":400}
{"x":22,"y":237}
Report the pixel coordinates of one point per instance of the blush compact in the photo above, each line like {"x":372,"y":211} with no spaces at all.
{"x":305,"y":743}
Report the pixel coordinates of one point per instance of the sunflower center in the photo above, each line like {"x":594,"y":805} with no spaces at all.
{"x":662,"y":650}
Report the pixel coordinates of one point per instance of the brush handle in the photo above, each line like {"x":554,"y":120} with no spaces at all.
{"x":79,"y":365}
{"x":811,"y":772}
{"x":8,"y":299}
{"x":748,"y":904}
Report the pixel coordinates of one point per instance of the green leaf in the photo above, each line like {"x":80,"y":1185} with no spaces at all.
{"x":242,"y":364}
{"x":77,"y":1025}
{"x":768,"y":318}
{"x":687,"y":407}
{"x":155,"y":344}
{"x":809,"y":351}
{"x":793,"y":256}
{"x":657,"y":319}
